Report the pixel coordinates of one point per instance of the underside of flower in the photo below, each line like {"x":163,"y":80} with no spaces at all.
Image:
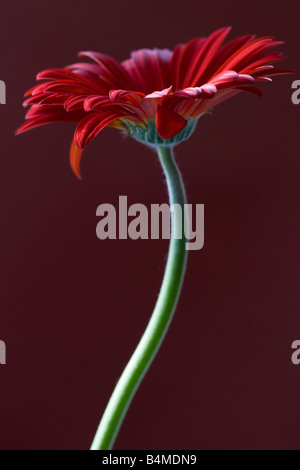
{"x":157,"y":95}
{"x":151,"y":137}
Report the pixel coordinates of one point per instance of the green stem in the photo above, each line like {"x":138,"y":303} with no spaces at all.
{"x":161,"y":317}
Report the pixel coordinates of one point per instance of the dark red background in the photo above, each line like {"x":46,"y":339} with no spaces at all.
{"x":73,"y":307}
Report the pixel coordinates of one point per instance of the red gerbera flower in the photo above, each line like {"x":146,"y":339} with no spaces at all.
{"x":157,"y":95}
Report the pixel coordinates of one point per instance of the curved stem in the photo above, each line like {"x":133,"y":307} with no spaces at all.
{"x":161,"y":317}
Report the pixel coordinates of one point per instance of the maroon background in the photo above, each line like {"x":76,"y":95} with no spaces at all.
{"x":73,"y":307}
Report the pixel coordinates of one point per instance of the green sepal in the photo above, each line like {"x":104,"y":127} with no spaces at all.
{"x":151,"y":137}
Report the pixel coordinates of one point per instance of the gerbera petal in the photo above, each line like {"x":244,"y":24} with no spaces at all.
{"x":57,"y":74}
{"x":111,"y":69}
{"x":262,"y":61}
{"x":231,"y":79}
{"x":202,"y":106}
{"x":75,"y":158}
{"x":34,"y":100}
{"x":89,"y":127}
{"x":68,"y":87}
{"x":222,"y":54}
{"x":159,"y":94}
{"x":92,"y":73}
{"x":53,"y":100}
{"x":168,"y":122}
{"x":126,"y":94}
{"x":91,"y":80}
{"x":248,"y":53}
{"x":35,"y":90}
{"x":108,"y":106}
{"x":206,"y":91}
{"x":202,"y":57}
{"x":150,"y":102}
{"x":91,"y":102}
{"x":176,"y":63}
{"x":182,"y":99}
{"x":35,"y":122}
{"x":92,"y":69}
{"x":149,"y":69}
{"x":75,"y":102}
{"x":39,"y":117}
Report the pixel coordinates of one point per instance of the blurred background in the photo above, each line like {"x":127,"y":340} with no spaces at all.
{"x":73,"y":307}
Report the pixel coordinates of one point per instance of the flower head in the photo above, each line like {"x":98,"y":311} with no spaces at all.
{"x":157,"y":95}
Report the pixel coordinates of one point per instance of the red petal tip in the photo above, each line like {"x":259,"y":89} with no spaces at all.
{"x":75,"y":158}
